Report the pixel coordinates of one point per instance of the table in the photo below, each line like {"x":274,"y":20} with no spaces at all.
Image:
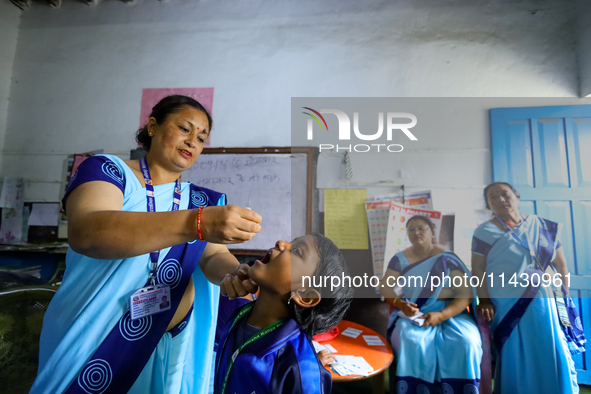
{"x":41,"y":260}
{"x":379,"y":357}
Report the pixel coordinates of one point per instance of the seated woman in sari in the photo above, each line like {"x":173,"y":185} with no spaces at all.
{"x":534,"y":351}
{"x":443,"y":353}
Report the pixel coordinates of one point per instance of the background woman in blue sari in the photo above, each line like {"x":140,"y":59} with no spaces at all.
{"x":533,"y":347}
{"x":444,"y":353}
{"x":120,"y":213}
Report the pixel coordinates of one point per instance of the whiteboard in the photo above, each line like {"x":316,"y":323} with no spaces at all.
{"x":272,"y":184}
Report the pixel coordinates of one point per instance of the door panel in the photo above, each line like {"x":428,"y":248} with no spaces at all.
{"x":549,"y":146}
{"x":560,"y":211}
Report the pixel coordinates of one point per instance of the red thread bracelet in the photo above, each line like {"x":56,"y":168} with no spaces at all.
{"x":199,"y":224}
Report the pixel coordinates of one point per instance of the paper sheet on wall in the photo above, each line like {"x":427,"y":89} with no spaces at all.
{"x":396,"y":237}
{"x":466,"y":222}
{"x":151,"y":97}
{"x":44,"y":214}
{"x":345,"y":222}
{"x":12,"y":193}
{"x":377,"y":221}
{"x":12,"y":225}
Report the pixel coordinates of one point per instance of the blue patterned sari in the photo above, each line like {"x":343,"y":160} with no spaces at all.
{"x":535,"y":350}
{"x":89,"y":345}
{"x":434,"y":359}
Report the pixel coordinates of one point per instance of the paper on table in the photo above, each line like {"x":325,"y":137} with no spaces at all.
{"x":351,"y":365}
{"x":12,"y":193}
{"x":373,"y":340}
{"x":351,"y":332}
{"x":340,"y":369}
{"x":345,"y":222}
{"x":318,"y":347}
{"x":330,"y":348}
{"x":44,"y":214}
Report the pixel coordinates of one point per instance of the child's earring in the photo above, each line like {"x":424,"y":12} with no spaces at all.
{"x":306,"y":297}
{"x":290,"y":297}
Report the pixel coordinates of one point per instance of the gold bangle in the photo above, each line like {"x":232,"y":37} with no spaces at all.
{"x":394,"y":302}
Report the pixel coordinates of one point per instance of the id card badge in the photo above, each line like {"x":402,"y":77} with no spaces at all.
{"x":149,"y":300}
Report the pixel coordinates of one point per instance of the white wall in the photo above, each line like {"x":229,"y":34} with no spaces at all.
{"x":79,"y":70}
{"x":9,"y":21}
{"x":584,"y":45}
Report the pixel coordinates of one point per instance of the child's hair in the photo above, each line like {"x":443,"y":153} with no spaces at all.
{"x":333,"y":304}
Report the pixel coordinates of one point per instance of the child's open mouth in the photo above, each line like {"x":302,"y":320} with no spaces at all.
{"x":267,"y":257}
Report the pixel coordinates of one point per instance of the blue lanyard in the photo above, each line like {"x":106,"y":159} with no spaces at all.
{"x":151,"y":202}
{"x":529,"y":246}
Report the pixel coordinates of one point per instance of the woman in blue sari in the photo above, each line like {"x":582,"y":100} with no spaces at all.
{"x":443,"y":351}
{"x":533,"y":341}
{"x":138,"y":233}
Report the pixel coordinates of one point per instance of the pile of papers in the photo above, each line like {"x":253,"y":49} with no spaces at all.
{"x":348,"y":365}
{"x":351,"y":365}
{"x":417,"y":319}
{"x":318,"y":347}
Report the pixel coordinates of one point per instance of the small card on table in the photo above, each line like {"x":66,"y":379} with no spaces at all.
{"x":351,"y":332}
{"x":373,"y":340}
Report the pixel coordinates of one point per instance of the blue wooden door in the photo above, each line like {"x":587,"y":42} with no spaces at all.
{"x":545,"y":152}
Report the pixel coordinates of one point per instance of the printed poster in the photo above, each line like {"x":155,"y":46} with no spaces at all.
{"x":377,"y":221}
{"x":417,"y":200}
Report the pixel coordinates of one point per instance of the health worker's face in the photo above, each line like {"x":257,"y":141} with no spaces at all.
{"x":178,"y":141}
{"x":419,"y":233}
{"x":502,"y":200}
{"x":282,"y":268}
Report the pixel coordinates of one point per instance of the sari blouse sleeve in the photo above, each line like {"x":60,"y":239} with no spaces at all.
{"x":481,"y":241}
{"x":96,"y":168}
{"x":394,"y":264}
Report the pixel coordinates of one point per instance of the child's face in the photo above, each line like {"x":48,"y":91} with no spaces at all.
{"x":282,"y":268}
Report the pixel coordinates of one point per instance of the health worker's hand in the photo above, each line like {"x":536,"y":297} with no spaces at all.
{"x":486,"y":309}
{"x":432,"y":319}
{"x":229,"y":224}
{"x":237,"y":283}
{"x":408,"y":308}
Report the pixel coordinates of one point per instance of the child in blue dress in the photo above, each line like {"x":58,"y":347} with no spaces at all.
{"x":266,"y":345}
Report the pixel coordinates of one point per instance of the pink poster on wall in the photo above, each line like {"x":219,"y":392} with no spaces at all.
{"x":150,"y":98}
